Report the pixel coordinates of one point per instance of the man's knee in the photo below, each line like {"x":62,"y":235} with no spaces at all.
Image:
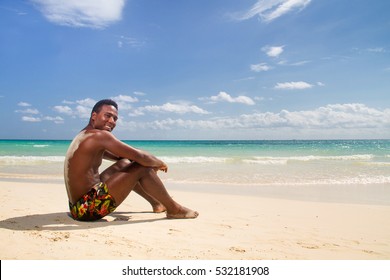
{"x":143,"y":170}
{"x":122,"y":163}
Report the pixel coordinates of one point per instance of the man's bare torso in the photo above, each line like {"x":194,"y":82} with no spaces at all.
{"x":81,"y":167}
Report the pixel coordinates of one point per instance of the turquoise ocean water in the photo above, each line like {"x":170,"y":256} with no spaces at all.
{"x":297,"y":163}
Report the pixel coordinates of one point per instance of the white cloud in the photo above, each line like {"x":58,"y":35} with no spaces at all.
{"x":225,"y":97}
{"x":124,"y":101}
{"x":83,"y":111}
{"x":377,"y":50}
{"x":30,"y":119}
{"x":179,"y":108}
{"x":259,"y":98}
{"x":77,"y":109}
{"x":340,"y":116}
{"x":137,"y":112}
{"x":31,"y":111}
{"x":24,"y":104}
{"x":63,"y":110}
{"x":352,"y":115}
{"x":86,"y":105}
{"x":269,"y":10}
{"x":245,"y":79}
{"x":125,"y":98}
{"x":87,"y":102}
{"x":57,"y":120}
{"x":67,"y":102}
{"x":260,"y":67}
{"x":82,"y":108}
{"x":298,"y":63}
{"x":130,"y":41}
{"x":293,"y":85}
{"x":273,"y":51}
{"x":85,"y":13}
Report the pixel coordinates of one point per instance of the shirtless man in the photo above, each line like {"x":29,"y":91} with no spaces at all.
{"x":93,"y":195}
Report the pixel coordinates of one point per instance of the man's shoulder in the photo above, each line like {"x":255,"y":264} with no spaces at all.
{"x":98,"y":132}
{"x":98,"y":135}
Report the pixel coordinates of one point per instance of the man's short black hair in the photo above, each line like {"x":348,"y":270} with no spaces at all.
{"x":99,"y":104}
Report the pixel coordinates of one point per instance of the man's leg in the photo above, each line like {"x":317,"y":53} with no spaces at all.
{"x":118,"y":166}
{"x":122,"y":182}
{"x":156,"y":205}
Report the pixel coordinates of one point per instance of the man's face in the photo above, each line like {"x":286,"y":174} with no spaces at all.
{"x":106,"y":118}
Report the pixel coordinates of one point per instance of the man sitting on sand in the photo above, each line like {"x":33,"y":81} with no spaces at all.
{"x":93,"y":195}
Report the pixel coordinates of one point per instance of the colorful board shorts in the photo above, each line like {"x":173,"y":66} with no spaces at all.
{"x":94,"y":205}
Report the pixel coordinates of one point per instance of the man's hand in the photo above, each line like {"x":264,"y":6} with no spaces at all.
{"x":163,"y":167}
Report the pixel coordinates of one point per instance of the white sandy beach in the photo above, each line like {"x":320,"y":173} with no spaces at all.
{"x":34,"y":224}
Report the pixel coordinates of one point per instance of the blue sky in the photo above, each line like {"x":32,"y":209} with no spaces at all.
{"x":197,"y":69}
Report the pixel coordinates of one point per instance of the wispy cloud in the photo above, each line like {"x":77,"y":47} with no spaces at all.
{"x":176,"y":108}
{"x":269,"y":10}
{"x":57,"y":120}
{"x":82,"y":108}
{"x":260,"y":67}
{"x":124,"y":41}
{"x":16,"y":11}
{"x":293,"y":85}
{"x":63,"y":110}
{"x":273,"y":51}
{"x":245,"y":79}
{"x":125,"y":101}
{"x":86,"y":13}
{"x":31,"y":119}
{"x":125,"y":98}
{"x":351,"y":115}
{"x":24,"y":104}
{"x":77,"y":109}
{"x":298,"y":63}
{"x":377,"y":50}
{"x":343,"y":116}
{"x":225,"y":97}
{"x":30,"y":114}
{"x":30,"y":111}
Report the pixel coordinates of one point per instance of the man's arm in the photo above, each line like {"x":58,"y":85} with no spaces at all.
{"x":110,"y":156}
{"x":116,"y":148}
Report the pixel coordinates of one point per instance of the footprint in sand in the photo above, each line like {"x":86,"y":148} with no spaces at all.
{"x":172,"y":231}
{"x":225,"y":226}
{"x":58,"y":236}
{"x":308,"y":246}
{"x":236,"y":249}
{"x":370,"y":252}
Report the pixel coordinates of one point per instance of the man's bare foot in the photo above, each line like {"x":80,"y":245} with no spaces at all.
{"x":184,"y":213}
{"x":159,"y":208}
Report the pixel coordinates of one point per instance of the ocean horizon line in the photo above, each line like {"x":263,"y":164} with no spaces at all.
{"x":203,"y":140}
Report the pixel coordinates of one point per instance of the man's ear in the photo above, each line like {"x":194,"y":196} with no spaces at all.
{"x":93,"y":116}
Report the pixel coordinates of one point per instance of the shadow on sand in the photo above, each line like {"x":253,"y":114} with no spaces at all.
{"x":62,"y":221}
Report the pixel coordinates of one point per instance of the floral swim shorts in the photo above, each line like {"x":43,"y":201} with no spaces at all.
{"x":94,"y":205}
